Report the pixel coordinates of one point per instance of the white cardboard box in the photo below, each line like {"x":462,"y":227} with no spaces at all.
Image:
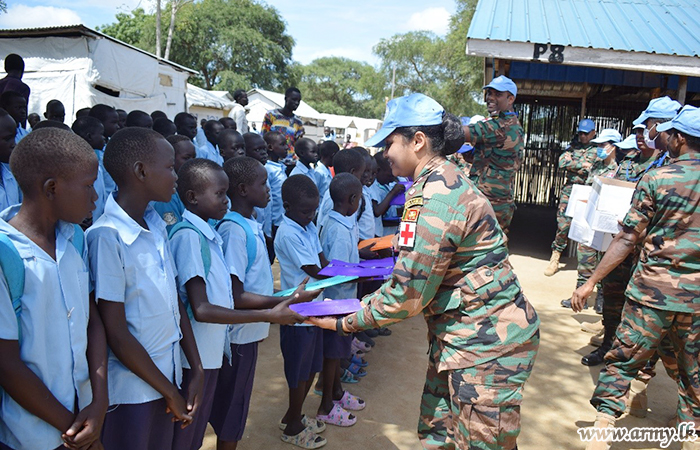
{"x":608,"y":203}
{"x":582,"y":233}
{"x":578,"y":192}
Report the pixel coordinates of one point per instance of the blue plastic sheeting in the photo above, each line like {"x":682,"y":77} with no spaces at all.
{"x":670,"y":27}
{"x":520,"y":70}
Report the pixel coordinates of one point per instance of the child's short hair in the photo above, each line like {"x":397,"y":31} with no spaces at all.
{"x":228,"y":133}
{"x":241,"y":170}
{"x":297,"y":187}
{"x":82,"y":112}
{"x":303,"y":144}
{"x":381,"y":160}
{"x":270,"y":136}
{"x":8,"y":97}
{"x":157,"y":114}
{"x":49,"y":152}
{"x":51,"y":124}
{"x":126,"y":147}
{"x":101,"y":111}
{"x":181,"y":117}
{"x":164,"y":126}
{"x":176,"y":139}
{"x":14,"y":62}
{"x":228,"y":123}
{"x":347,"y":160}
{"x":193,"y":175}
{"x":137,"y":118}
{"x":327,"y":149}
{"x":343,"y":185}
{"x":86,"y":125}
{"x":363,"y":151}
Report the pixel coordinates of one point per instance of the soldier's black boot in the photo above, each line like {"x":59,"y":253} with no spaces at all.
{"x":597,"y":356}
{"x":599,"y":301}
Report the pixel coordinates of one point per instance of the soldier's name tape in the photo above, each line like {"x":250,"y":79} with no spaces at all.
{"x":418,"y":201}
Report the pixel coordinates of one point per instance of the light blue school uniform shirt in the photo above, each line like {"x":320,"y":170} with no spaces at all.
{"x":21,"y":133}
{"x":101,"y":191}
{"x":264,"y":215}
{"x":326,"y":206}
{"x":257,"y":280}
{"x":379,"y":192}
{"x":365,"y":219}
{"x":301,"y":169}
{"x":323,"y":178}
{"x":54,"y":321}
{"x":110,"y":185}
{"x":134,"y":266}
{"x":171,"y":212}
{"x":211,"y":338}
{"x":210,"y":152}
{"x":339,"y":237}
{"x":275,"y":176}
{"x":10,"y":193}
{"x":200,"y":139}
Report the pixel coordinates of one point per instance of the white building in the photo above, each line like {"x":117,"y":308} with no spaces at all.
{"x":210,"y":105}
{"x":358,"y":128}
{"x":82,"y":67}
{"x":261,"y":101}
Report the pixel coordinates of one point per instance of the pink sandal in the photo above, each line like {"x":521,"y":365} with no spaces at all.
{"x":351,"y":402}
{"x":338,"y":416}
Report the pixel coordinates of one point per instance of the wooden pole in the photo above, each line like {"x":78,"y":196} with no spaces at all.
{"x":682,"y":88}
{"x":583,"y":101}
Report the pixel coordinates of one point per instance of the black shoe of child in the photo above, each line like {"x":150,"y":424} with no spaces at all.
{"x":372,"y":333}
{"x":362,"y":336}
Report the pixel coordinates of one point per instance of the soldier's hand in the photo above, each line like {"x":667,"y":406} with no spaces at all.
{"x":326,"y":322}
{"x":580,"y":297}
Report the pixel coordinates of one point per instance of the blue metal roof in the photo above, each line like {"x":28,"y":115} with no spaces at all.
{"x":669,"y":27}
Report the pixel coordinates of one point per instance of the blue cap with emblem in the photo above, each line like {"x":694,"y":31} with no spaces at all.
{"x":608,"y":135}
{"x":687,"y":121}
{"x":413,"y":110}
{"x":503,"y":84}
{"x":586,"y":126}
{"x":659,"y":108}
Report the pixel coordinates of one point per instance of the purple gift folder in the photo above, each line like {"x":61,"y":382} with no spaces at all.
{"x":370,"y":268}
{"x":400,"y":199}
{"x":327,"y":308}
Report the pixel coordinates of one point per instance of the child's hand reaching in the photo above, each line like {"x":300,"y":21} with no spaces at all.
{"x":301,"y":295}
{"x":397,"y":189}
{"x":282,"y":315}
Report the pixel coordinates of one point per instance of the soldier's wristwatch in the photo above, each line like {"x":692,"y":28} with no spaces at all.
{"x":339,"y":327}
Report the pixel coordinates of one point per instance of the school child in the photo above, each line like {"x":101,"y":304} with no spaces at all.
{"x":10,"y":193}
{"x":171,"y":212}
{"x":350,"y":161}
{"x":146,"y":326}
{"x":339,"y":237}
{"x":186,"y":125}
{"x":55,"y":111}
{"x":122,"y":118}
{"x":92,"y":131}
{"x":54,"y":352}
{"x":307,"y":152}
{"x":137,"y":118}
{"x":210,"y":148}
{"x":256,"y":148}
{"x":326,"y":152}
{"x":276,"y":152}
{"x":228,"y":123}
{"x":231,"y":144}
{"x":251,"y":279}
{"x":383,"y":190}
{"x":110,"y":121}
{"x":300,"y":255}
{"x":365,"y":215}
{"x":164,"y":126}
{"x":16,"y":105}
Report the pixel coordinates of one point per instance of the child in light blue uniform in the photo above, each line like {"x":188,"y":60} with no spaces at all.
{"x":92,"y":131}
{"x":300,"y":255}
{"x":146,"y":325}
{"x":307,"y":152}
{"x":10,"y":194}
{"x":209,"y":149}
{"x":252,"y":285}
{"x":345,"y":161}
{"x":365,"y":215}
{"x":339,"y":237}
{"x":326,"y":152}
{"x":203,"y":184}
{"x":256,"y":148}
{"x":171,"y":212}
{"x":383,"y":191}
{"x":276,"y":151}
{"x":45,"y":360}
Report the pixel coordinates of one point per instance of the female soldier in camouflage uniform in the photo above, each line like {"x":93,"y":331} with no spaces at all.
{"x":453,"y":267}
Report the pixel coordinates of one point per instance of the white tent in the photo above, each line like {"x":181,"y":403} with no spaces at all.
{"x":82,"y":67}
{"x":205,"y":104}
{"x":358,"y":128}
{"x":261,"y":101}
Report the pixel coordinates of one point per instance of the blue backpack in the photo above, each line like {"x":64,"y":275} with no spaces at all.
{"x":251,"y":242}
{"x":13,"y":269}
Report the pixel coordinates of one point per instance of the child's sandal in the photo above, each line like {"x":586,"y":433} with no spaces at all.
{"x":348,"y":377}
{"x":356,"y":370}
{"x":305,"y":439}
{"x":338,"y":416}
{"x":355,"y":359}
{"x":314,"y":425}
{"x":351,"y":402}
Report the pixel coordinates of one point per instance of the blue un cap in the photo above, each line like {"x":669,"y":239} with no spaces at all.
{"x":413,"y":110}
{"x":608,"y":135}
{"x":629,"y":143}
{"x":586,"y":126}
{"x":503,"y":84}
{"x":659,"y":108}
{"x":687,"y":121}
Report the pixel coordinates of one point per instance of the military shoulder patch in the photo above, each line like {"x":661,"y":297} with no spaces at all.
{"x":407,"y":234}
{"x":418,"y":201}
{"x":411,"y":215}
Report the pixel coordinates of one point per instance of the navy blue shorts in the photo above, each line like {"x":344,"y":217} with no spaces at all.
{"x":141,"y":426}
{"x":336,"y":346}
{"x":234,"y":387}
{"x":193,"y":435}
{"x":302,"y":350}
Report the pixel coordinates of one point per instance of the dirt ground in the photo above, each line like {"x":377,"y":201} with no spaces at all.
{"x":556,"y":396}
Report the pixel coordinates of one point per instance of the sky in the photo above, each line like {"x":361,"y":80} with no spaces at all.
{"x":319,"y":27}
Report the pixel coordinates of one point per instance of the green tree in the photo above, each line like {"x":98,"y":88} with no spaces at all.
{"x":338,"y":85}
{"x":131,"y":28}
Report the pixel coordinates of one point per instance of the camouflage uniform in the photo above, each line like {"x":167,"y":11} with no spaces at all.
{"x":483,"y":333}
{"x":664,"y":295}
{"x":498,"y":153}
{"x":577,"y":160}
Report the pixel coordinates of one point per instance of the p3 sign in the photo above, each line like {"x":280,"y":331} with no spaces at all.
{"x":556,"y":53}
